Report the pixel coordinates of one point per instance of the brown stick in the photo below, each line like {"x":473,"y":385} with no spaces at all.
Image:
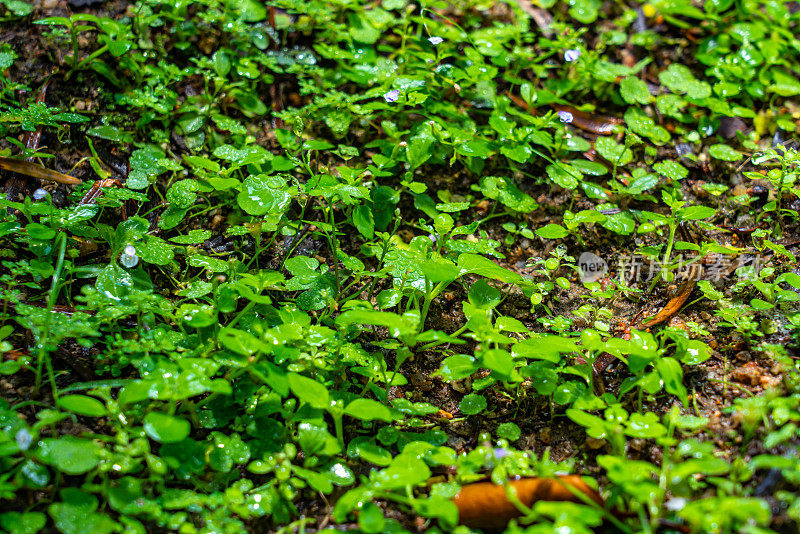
{"x":36,"y":171}
{"x":484,"y":505}
{"x":596,"y":124}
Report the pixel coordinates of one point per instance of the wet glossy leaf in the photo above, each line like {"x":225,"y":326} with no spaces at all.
{"x":405,"y":470}
{"x":680,"y":79}
{"x":671,"y":169}
{"x":634,"y":91}
{"x":309,"y":391}
{"x":612,"y":151}
{"x":82,"y":405}
{"x":264,"y":194}
{"x":457,"y":367}
{"x":472,"y":404}
{"x":368,"y":410}
{"x":69,"y":454}
{"x":369,"y":451}
{"x":316,"y":440}
{"x":155,"y":251}
{"x":552,"y":231}
{"x":724,"y":152}
{"x":22,"y":523}
{"x":564,"y":175}
{"x":76,"y":514}
{"x":697,"y":212}
{"x":166,"y":428}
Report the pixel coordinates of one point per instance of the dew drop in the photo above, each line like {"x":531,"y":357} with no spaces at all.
{"x":128,"y":260}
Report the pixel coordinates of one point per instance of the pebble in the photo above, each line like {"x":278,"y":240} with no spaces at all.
{"x":544,"y":435}
{"x":749,"y":373}
{"x":595,"y":443}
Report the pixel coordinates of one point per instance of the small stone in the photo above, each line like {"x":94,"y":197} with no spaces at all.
{"x":544,"y":435}
{"x":769,"y":381}
{"x":595,"y":443}
{"x":749,"y":373}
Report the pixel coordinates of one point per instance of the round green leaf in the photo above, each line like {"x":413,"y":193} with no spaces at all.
{"x":472,"y":404}
{"x":509,"y":431}
{"x":724,"y":152}
{"x":82,"y":405}
{"x":70,"y":455}
{"x":552,"y":231}
{"x":309,"y":391}
{"x":166,"y":428}
{"x":634,"y":91}
{"x":368,"y":410}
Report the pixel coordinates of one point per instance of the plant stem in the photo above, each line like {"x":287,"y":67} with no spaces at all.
{"x":61,"y":242}
{"x":672,"y":228}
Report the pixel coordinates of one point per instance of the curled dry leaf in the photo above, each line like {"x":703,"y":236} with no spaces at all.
{"x":484,"y":505}
{"x":596,"y":124}
{"x":541,"y":17}
{"x":36,"y":171}
{"x":676,"y":302}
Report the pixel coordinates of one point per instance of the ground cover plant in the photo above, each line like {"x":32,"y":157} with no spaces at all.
{"x":312,"y":265}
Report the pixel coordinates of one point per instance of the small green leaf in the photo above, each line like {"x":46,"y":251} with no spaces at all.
{"x":564,"y":175}
{"x":166,"y":428}
{"x":69,"y":454}
{"x":457,"y":367}
{"x":693,"y":213}
{"x":634,"y":91}
{"x":671,"y":169}
{"x":23,"y":523}
{"x":784,"y":83}
{"x":509,"y":431}
{"x":370,"y":519}
{"x":363,"y":221}
{"x":368,"y":410}
{"x":76,"y":514}
{"x":472,"y":404}
{"x":552,"y":231}
{"x":82,"y":405}
{"x":309,"y":391}
{"x":724,"y":152}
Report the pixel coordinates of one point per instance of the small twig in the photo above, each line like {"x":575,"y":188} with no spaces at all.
{"x":36,"y":171}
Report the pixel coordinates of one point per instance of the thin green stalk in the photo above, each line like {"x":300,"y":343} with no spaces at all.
{"x":61,"y":242}
{"x":337,"y":424}
{"x":672,"y":228}
{"x":94,"y":55}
